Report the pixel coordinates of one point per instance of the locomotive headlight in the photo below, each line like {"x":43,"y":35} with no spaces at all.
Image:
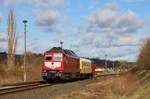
{"x":52,"y":63}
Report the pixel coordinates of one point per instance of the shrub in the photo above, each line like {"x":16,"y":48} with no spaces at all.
{"x":143,"y":61}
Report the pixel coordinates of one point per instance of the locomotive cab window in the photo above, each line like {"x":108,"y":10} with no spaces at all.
{"x":58,"y":57}
{"x":48,"y":57}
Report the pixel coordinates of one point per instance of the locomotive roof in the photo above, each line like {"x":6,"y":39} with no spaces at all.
{"x":56,"y":49}
{"x":66,"y":51}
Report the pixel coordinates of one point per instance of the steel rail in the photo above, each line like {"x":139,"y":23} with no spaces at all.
{"x":22,"y":83}
{"x":24,"y":87}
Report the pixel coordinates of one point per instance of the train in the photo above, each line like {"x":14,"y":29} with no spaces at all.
{"x":64,"y":64}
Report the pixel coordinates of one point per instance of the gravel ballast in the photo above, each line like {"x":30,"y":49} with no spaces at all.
{"x":52,"y":92}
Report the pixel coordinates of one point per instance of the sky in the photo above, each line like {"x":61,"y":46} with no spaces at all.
{"x":105,"y":29}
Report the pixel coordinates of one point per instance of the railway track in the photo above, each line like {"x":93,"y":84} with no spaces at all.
{"x":22,"y":87}
{"x":19,"y":87}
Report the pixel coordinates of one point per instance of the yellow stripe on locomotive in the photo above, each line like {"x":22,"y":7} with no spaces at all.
{"x":85,"y":66}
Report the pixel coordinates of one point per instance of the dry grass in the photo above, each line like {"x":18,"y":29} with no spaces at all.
{"x":15,"y":74}
{"x":122,"y":87}
{"x":2,"y":70}
{"x":9,"y":76}
{"x":34,"y":66}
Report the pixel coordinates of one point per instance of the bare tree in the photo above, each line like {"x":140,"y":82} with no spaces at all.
{"x":12,"y":39}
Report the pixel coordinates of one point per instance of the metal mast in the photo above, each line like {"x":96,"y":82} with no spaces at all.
{"x":24,"y":66}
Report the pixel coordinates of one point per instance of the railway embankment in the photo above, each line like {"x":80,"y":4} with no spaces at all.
{"x":143,"y":89}
{"x":132,"y":85}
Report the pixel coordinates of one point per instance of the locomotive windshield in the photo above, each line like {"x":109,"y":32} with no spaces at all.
{"x":58,"y":57}
{"x":48,"y":57}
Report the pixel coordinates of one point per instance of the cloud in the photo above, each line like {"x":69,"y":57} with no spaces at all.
{"x":110,"y":31}
{"x":11,"y":2}
{"x":133,"y":1}
{"x":3,"y":37}
{"x":127,"y":41}
{"x":107,"y":41}
{"x":92,"y":39}
{"x":39,"y":3}
{"x":110,"y":20}
{"x":46,"y":3}
{"x":111,"y":51}
{"x":1,"y":16}
{"x":3,"y":41}
{"x":47,"y":20}
{"x":57,"y":2}
{"x":97,"y":45}
{"x":112,"y":6}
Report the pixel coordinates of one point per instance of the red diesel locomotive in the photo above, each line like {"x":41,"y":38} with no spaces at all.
{"x":60,"y":63}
